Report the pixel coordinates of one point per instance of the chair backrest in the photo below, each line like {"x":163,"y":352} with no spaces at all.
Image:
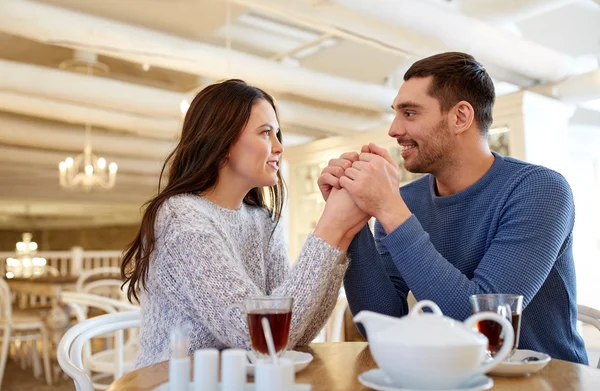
{"x":70,"y":348}
{"x":79,"y":303}
{"x":54,"y":272}
{"x":5,"y":321}
{"x":107,"y":287}
{"x":590,"y":316}
{"x":333,"y":330}
{"x":103,"y":281}
{"x":110,"y":272}
{"x":5,"y":302}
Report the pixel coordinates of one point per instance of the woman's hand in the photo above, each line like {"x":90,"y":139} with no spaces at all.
{"x":341,"y":220}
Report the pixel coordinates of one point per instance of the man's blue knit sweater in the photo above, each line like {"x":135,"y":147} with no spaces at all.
{"x":510,"y":232}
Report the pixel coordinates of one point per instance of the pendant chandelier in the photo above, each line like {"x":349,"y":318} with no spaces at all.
{"x":26,"y":264}
{"x":86,"y":171}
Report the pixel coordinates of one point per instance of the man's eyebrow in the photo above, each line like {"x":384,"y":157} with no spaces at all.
{"x":406,"y":105}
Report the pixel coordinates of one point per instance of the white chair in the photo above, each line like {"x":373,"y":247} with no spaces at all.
{"x":102,"y":362}
{"x":54,"y":272}
{"x":590,"y":316}
{"x":333,"y":331}
{"x":109,"y":285}
{"x":335,"y":325}
{"x":20,"y":327}
{"x":70,"y":348}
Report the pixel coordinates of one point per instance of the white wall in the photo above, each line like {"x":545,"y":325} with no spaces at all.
{"x":582,"y":170}
{"x":553,"y":139}
{"x":545,"y":121}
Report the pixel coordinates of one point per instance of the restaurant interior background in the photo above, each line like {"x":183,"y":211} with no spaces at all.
{"x":114,"y":78}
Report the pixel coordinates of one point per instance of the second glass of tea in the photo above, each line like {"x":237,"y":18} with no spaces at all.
{"x":509,"y":306}
{"x":277,"y":310}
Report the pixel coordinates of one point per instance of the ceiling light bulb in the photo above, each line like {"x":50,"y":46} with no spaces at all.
{"x":184,"y":106}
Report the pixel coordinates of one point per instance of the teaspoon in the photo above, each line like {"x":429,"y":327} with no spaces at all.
{"x":530,"y":359}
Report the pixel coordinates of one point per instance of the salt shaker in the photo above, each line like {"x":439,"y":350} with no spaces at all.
{"x":206,"y":370}
{"x":179,"y":365}
{"x":274,"y":377}
{"x":233,"y":370}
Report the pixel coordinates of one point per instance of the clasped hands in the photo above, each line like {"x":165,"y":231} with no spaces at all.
{"x":358,"y":186}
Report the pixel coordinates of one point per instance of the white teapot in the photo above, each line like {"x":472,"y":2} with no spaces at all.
{"x":429,"y":351}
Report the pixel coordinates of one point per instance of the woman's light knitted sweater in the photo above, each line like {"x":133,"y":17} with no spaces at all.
{"x":207,"y":257}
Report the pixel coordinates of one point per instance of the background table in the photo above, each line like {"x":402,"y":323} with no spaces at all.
{"x":336,"y":367}
{"x":26,"y":288}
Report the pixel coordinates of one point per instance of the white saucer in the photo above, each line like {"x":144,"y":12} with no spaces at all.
{"x":515,"y":367}
{"x":376,"y":379}
{"x":300,"y":359}
{"x":249,"y":387}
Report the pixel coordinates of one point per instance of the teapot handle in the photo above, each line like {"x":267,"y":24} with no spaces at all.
{"x":507,"y":344}
{"x":425,"y":303}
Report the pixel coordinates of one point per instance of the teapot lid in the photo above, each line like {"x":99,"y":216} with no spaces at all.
{"x":431,"y":329}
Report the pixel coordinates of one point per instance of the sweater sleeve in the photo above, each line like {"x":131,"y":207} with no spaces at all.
{"x":202,"y":274}
{"x":372,"y":281}
{"x":328,"y":294}
{"x":314,"y":305}
{"x":278,"y":267}
{"x":535,"y":222}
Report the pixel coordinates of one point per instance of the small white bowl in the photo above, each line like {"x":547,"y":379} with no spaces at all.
{"x":300,"y":359}
{"x":516,"y":367}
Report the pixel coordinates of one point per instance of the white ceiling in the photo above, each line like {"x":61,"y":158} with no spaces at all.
{"x":334,"y":67}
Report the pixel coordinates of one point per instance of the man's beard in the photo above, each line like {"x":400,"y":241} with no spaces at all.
{"x":433,"y":155}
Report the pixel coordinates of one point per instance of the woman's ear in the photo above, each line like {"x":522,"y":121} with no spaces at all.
{"x":224,"y":161}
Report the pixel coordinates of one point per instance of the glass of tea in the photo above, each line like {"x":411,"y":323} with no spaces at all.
{"x":509,"y":306}
{"x":277,"y":310}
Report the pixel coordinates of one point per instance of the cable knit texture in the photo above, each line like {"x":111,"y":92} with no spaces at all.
{"x":510,"y":232}
{"x":208,"y":257}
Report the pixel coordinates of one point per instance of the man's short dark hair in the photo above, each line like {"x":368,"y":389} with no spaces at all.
{"x":456,"y":77}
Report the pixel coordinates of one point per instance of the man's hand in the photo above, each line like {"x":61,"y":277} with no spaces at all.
{"x":330,"y":176}
{"x":373,"y":183}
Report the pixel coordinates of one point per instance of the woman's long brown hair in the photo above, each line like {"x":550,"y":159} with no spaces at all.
{"x":213,"y":122}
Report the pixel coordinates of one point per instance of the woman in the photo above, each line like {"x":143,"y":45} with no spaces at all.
{"x":211,"y":237}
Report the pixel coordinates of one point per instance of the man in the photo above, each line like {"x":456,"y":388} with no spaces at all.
{"x":478,"y":223}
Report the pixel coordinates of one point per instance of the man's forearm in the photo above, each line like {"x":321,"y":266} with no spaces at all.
{"x":367,"y":284}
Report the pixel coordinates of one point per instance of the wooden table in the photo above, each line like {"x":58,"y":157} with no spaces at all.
{"x":57,"y":319}
{"x":49,"y":286}
{"x":336,"y":367}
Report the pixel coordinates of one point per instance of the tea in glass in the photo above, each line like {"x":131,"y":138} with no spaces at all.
{"x":277,"y":311}
{"x":509,"y":306}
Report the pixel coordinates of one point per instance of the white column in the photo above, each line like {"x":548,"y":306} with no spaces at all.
{"x":76,"y":261}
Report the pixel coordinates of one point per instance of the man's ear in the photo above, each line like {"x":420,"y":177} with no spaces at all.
{"x":462,"y":117}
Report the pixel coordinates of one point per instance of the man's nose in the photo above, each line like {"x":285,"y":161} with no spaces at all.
{"x":396,"y":129}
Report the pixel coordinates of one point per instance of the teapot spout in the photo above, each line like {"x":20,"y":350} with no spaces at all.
{"x":374,"y":322}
